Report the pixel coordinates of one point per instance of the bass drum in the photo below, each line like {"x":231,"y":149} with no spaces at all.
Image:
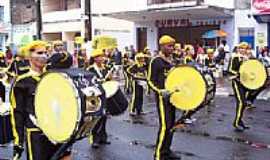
{"x":211,"y":87}
{"x":116,"y":102}
{"x":68,"y":104}
{"x":188,"y":87}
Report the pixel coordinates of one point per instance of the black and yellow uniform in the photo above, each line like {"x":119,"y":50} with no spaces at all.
{"x":126,"y":64}
{"x":60,"y":60}
{"x":99,"y":134}
{"x":18,"y":67}
{"x":240,"y":91}
{"x":22,"y":99}
{"x":158,"y":70}
{"x":188,"y":59}
{"x":138,"y":72}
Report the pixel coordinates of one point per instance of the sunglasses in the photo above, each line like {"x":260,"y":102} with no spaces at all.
{"x":44,"y":52}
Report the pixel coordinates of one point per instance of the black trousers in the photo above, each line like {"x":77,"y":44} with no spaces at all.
{"x":137,"y":98}
{"x":166,"y":113}
{"x":99,"y":131}
{"x":127,"y":86}
{"x":252,"y":95}
{"x":188,"y":114}
{"x":240,"y":93}
{"x":39,"y":147}
{"x":2,"y":91}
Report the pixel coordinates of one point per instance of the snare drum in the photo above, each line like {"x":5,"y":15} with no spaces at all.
{"x":68,"y":104}
{"x":116,"y":102}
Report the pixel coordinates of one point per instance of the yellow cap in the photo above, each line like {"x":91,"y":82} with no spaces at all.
{"x":57,"y":42}
{"x":188,"y":47}
{"x":97,"y":52}
{"x":177,"y":46}
{"x":243,"y":45}
{"x":146,"y":48}
{"x":166,"y":40}
{"x":23,"y":51}
{"x":210,"y":50}
{"x":34,"y":45}
{"x":139,"y":55}
{"x":2,"y":54}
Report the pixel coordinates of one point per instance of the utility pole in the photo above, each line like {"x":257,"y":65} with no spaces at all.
{"x":38,"y":19}
{"x":88,"y":12}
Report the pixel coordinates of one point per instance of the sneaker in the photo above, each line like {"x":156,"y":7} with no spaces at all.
{"x":188,"y":121}
{"x":132,"y":114}
{"x":95,"y":145}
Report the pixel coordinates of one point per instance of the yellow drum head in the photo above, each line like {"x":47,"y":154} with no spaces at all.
{"x":191,"y":87}
{"x":110,"y":87}
{"x":57,"y":107}
{"x":253,"y":74}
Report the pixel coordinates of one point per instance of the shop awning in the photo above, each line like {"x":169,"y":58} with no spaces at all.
{"x":214,"y":34}
{"x":195,"y":12}
{"x":262,"y":18}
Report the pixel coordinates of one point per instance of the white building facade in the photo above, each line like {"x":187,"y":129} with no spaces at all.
{"x":70,"y":21}
{"x":188,"y":20}
{"x":5,"y":27}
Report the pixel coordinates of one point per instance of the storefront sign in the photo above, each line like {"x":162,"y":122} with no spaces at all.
{"x":261,"y":39}
{"x":167,"y":23}
{"x":261,"y":6}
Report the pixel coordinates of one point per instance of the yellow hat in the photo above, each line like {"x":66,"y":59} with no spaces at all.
{"x":146,"y":48}
{"x":177,"y":46}
{"x":188,"y":47}
{"x":243,"y":45}
{"x":97,"y":52}
{"x":2,"y":54}
{"x":139,"y":55}
{"x":166,"y":40}
{"x":23,"y":51}
{"x":57,"y":42}
{"x":210,"y":50}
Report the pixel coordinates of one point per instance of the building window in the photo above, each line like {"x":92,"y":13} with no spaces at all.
{"x":1,"y":13}
{"x":150,"y":2}
{"x":243,"y":4}
{"x":247,"y":35}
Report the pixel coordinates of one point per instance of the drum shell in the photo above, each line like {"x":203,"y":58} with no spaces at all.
{"x":5,"y":129}
{"x":117,"y":104}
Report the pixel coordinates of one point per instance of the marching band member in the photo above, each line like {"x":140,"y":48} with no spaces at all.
{"x":239,"y":90}
{"x":138,"y":72}
{"x":158,"y":69}
{"x":19,"y":64}
{"x":210,"y":54}
{"x":60,"y":58}
{"x":126,"y":64}
{"x":189,"y":53}
{"x":38,"y":145}
{"x":177,"y":54}
{"x":202,"y":59}
{"x":98,"y":67}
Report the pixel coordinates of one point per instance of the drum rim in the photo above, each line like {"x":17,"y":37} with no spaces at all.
{"x":78,"y":100}
{"x":265,"y":70}
{"x":186,"y":65}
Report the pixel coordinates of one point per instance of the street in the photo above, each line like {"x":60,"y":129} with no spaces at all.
{"x":211,"y":137}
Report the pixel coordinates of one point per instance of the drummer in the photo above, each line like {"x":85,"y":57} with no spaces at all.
{"x":138,"y":72}
{"x":59,"y":58}
{"x":97,"y":66}
{"x":38,"y":146}
{"x":19,"y":64}
{"x":189,"y":52}
{"x":177,"y":54}
{"x":127,"y":62}
{"x":158,"y":70}
{"x":240,"y":91}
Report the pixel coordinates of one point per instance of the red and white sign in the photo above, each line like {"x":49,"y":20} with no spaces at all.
{"x":261,"y":6}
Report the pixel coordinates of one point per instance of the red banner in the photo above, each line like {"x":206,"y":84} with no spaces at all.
{"x":261,"y":6}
